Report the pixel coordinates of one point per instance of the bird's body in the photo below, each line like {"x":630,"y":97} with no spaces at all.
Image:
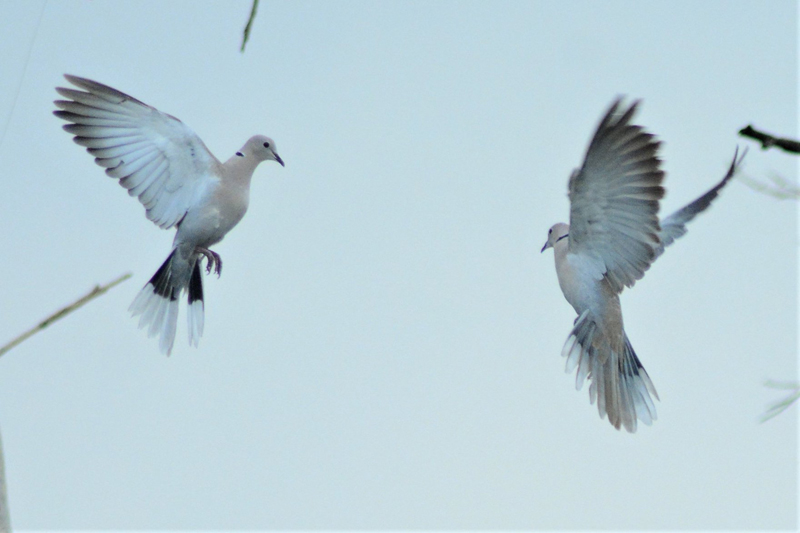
{"x":577,"y":279}
{"x":220,"y":204}
{"x":178,"y":181}
{"x":613,"y":237}
{"x":598,"y":345}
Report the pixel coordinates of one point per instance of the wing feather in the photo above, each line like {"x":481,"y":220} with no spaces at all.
{"x":138,"y":182}
{"x":107,"y":150}
{"x":88,"y":121}
{"x":154,"y":155}
{"x":118,"y":105}
{"x":614,"y":200}
{"x":674,"y":226}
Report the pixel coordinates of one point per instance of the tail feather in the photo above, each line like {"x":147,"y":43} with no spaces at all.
{"x":619,"y":383}
{"x":196,"y":305}
{"x":170,"y":325}
{"x":157,"y":303}
{"x":157,"y":318}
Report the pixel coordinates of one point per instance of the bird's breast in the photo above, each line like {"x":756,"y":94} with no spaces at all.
{"x":213,"y":217}
{"x":578,"y":282}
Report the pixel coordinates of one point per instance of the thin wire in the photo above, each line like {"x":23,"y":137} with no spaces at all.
{"x":24,"y":74}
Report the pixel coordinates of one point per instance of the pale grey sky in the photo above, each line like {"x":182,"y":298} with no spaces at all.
{"x":383,"y":347}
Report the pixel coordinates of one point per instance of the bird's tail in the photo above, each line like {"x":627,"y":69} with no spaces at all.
{"x":619,"y":382}
{"x":157,"y":303}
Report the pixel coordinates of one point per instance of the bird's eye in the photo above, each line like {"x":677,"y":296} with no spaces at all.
{"x":240,"y":154}
{"x":550,"y":232}
{"x":266,"y":145}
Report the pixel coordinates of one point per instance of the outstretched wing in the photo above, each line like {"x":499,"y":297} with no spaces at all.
{"x":674,"y":226}
{"x":614,"y":200}
{"x":154,"y":155}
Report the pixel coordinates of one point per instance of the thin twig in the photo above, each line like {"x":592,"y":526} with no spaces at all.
{"x":249,"y":24}
{"x":780,"y":188}
{"x":784,"y":404}
{"x":5,"y":520}
{"x":61,"y":313}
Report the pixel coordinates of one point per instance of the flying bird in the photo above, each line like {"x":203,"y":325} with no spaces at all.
{"x":180,"y":183}
{"x":613,"y":237}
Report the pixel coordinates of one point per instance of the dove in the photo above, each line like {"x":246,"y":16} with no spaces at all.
{"x":179,"y":182}
{"x":613,"y":237}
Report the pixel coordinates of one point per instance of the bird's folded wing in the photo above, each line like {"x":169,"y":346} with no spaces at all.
{"x":674,"y":226}
{"x":614,"y":200}
{"x":154,"y":155}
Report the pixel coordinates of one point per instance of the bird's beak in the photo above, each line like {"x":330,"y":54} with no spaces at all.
{"x":546,"y":246}
{"x":278,"y":159}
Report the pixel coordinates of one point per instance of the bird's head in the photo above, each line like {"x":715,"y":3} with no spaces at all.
{"x":555,"y":234}
{"x":262,"y":148}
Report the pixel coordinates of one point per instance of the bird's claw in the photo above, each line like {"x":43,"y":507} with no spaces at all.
{"x":213,"y":260}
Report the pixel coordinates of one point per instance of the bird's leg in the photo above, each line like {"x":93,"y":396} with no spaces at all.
{"x":213,"y":260}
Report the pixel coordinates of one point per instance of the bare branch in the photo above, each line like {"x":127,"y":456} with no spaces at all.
{"x":246,"y":35}
{"x":768,"y":141}
{"x":61,"y":313}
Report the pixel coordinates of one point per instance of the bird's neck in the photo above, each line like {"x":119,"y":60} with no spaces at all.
{"x":240,"y":169}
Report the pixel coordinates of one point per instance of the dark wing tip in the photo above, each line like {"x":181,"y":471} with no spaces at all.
{"x":629,"y":113}
{"x":96,"y":88}
{"x":83,"y":83}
